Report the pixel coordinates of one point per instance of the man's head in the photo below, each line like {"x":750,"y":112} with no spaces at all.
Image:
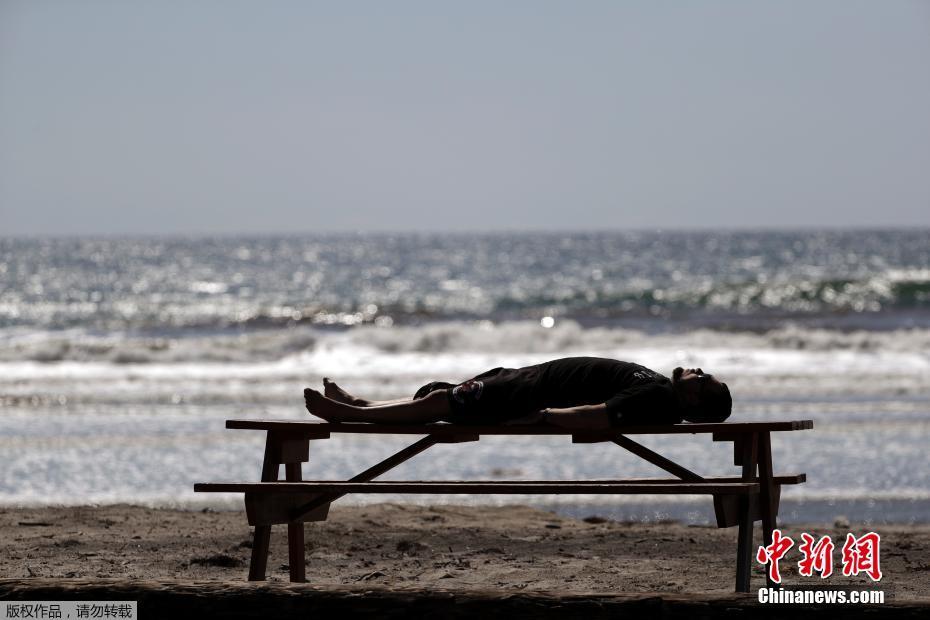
{"x":704,"y":399}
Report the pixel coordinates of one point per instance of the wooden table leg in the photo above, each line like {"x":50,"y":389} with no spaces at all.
{"x":262,"y":537}
{"x":744,"y":545}
{"x":744,"y":538}
{"x":260,"y":543}
{"x":295,"y":534}
{"x":766,"y":496}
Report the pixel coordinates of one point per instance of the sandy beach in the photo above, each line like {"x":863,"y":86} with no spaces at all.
{"x":449,"y":547}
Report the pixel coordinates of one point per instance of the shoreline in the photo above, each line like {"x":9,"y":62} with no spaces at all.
{"x":513,"y":548}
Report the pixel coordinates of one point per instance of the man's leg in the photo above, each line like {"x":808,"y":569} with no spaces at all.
{"x":434,"y":407}
{"x":336,"y":393}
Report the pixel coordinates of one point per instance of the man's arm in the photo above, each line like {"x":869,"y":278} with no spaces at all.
{"x":582,"y":417}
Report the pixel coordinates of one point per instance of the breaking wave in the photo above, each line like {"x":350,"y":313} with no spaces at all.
{"x":529,"y":337}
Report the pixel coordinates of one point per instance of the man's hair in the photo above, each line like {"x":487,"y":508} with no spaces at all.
{"x":715,"y":406}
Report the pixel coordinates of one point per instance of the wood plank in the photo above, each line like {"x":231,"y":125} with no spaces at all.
{"x":677,"y":488}
{"x":780,"y":479}
{"x":277,"y":508}
{"x":314,"y":430}
{"x":266,"y":506}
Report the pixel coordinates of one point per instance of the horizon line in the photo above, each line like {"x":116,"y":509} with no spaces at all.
{"x":461,"y":233}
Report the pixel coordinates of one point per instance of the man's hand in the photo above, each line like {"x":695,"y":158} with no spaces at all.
{"x":582,"y":417}
{"x":532,"y":418}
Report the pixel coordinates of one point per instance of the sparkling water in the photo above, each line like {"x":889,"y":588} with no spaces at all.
{"x":120,"y":359}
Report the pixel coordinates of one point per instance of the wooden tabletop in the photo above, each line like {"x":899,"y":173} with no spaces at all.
{"x":299,"y":428}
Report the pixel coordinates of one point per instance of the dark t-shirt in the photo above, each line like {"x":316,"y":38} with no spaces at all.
{"x":634,"y":394}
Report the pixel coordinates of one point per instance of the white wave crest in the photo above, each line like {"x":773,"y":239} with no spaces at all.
{"x":518,"y":338}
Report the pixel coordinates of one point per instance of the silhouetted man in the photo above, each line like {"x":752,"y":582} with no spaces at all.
{"x":572,"y":392}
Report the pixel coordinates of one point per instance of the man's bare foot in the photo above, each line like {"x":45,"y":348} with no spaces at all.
{"x":336,"y":393}
{"x":320,"y":406}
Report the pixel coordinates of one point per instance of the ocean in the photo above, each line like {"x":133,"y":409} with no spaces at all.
{"x":121,"y":358}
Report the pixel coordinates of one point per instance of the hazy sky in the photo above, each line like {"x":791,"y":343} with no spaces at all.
{"x":270,"y":116}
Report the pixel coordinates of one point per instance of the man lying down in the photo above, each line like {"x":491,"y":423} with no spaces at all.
{"x":572,"y":392}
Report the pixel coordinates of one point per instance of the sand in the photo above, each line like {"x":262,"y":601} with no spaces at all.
{"x":447,"y":547}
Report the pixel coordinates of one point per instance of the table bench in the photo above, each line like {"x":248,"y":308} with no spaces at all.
{"x":740,"y":500}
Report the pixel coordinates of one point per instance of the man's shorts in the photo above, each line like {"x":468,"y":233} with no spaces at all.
{"x":492,"y":397}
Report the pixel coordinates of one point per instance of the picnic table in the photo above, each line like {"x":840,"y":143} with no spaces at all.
{"x":738,"y":500}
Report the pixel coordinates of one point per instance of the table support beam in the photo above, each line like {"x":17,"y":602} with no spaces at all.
{"x":370,"y":474}
{"x":657,"y":459}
